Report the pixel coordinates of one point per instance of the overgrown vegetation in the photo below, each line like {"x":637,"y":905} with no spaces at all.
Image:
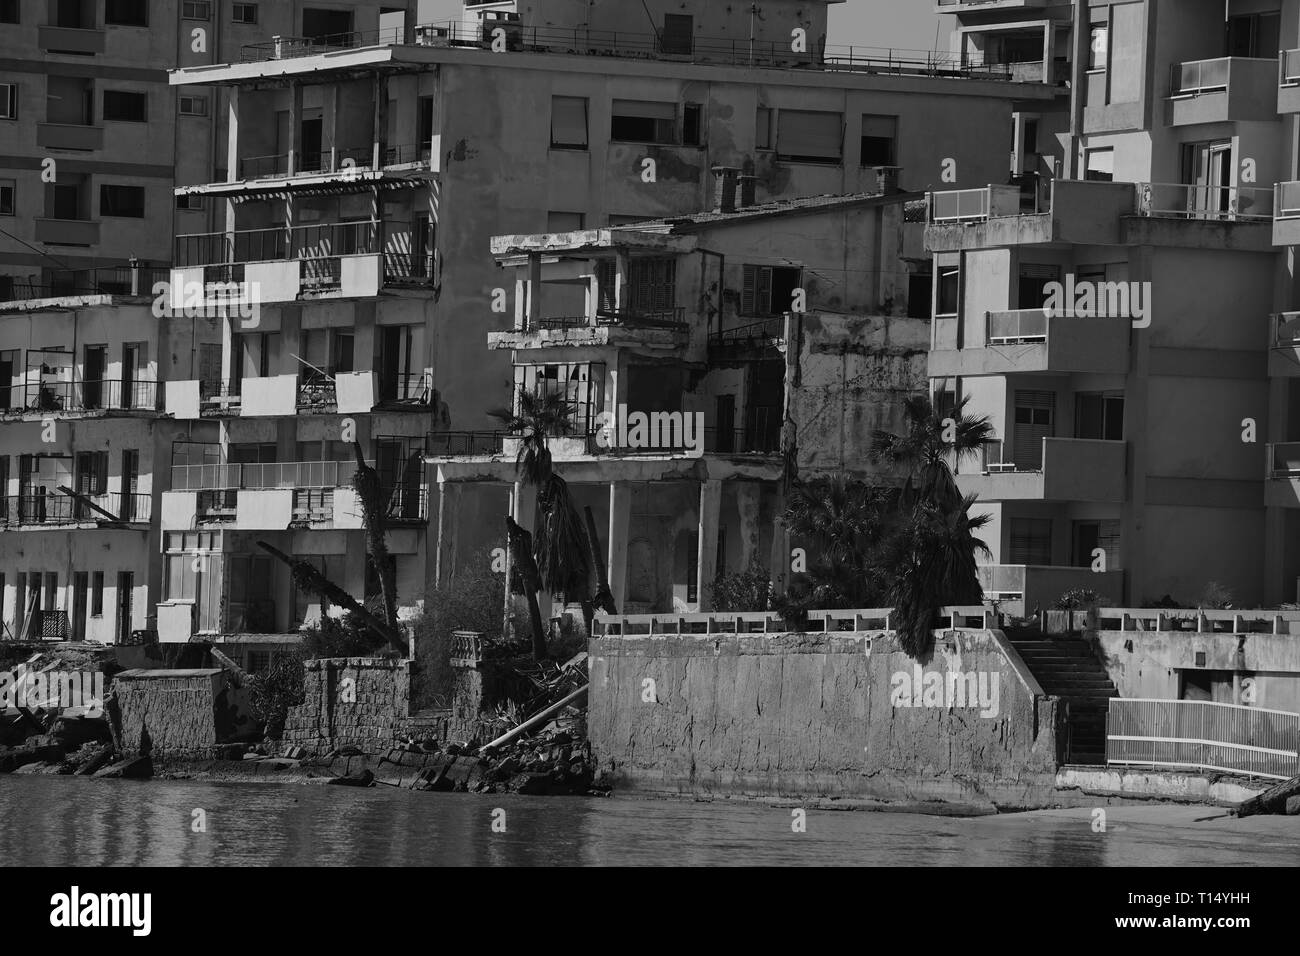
{"x":1080,"y":599}
{"x":748,"y":590}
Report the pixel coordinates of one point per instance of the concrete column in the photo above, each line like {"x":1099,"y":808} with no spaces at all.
{"x":380,"y":125}
{"x":779,"y":560}
{"x":295,"y":126}
{"x":593,"y":299}
{"x":706,"y":564}
{"x":622,"y":269}
{"x":620,"y":515}
{"x":449,"y":498}
{"x":533,"y":307}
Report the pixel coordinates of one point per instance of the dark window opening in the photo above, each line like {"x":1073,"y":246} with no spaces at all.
{"x":126,"y":107}
{"x":127,"y":13}
{"x":124,"y":201}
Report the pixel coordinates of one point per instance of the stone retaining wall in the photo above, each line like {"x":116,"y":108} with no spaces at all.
{"x":351,"y":701}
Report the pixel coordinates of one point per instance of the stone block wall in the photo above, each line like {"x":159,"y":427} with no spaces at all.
{"x":351,"y":701}
{"x":183,"y":713}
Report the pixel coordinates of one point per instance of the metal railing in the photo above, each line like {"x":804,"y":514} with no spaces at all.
{"x":317,"y":390}
{"x":975,"y":205}
{"x":1187,"y":201}
{"x":1202,"y":735}
{"x":409,"y":268}
{"x":775,"y":53}
{"x":405,"y":388}
{"x":673,"y":319}
{"x":263,"y":476}
{"x":81,"y":396}
{"x":1289,"y":68}
{"x":1286,"y":202}
{"x":469,"y":444}
{"x":1020,"y":326}
{"x":276,"y":243}
{"x":1200,"y":76}
{"x":768,"y":332}
{"x":57,"y":508}
{"x":1284,"y":460}
{"x":60,"y":283}
{"x":1285,"y":330}
{"x":335,"y":159}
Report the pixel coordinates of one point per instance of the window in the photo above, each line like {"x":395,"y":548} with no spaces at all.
{"x":1092,"y":535}
{"x":879,"y":134}
{"x":804,"y":136}
{"x":652,"y":285}
{"x":763,"y":129}
{"x":948,"y":300}
{"x":1099,"y":415}
{"x":196,"y":10}
{"x":194,"y":105}
{"x":1099,"y":165}
{"x":326,"y":25}
{"x":768,"y":290}
{"x":679,"y":34}
{"x":92,"y":472}
{"x":1098,"y":47}
{"x":920,"y":293}
{"x":189,"y":203}
{"x":124,"y":201}
{"x":636,"y":121}
{"x":127,"y":13}
{"x":7,"y":187}
{"x":568,"y":122}
{"x":564,"y":221}
{"x":693,"y":125}
{"x":1256,"y":35}
{"x":1031,"y":541}
{"x":244,"y":13}
{"x":97,"y":594}
{"x":8,"y":101}
{"x":126,"y":107}
{"x":9,"y":11}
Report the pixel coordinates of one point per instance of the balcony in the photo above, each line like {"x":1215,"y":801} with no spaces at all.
{"x":1288,"y":82}
{"x":1066,"y":469}
{"x":68,"y":232}
{"x":664,"y":329}
{"x":282,"y":265}
{"x":1031,"y":340}
{"x":279,"y":495}
{"x":70,"y":283}
{"x":79,"y":397}
{"x":57,"y":509}
{"x":347,"y":160}
{"x":439,"y":445}
{"x":1284,"y":345}
{"x":1283,"y":487}
{"x":580,"y":41}
{"x":764,"y":338}
{"x":54,"y":39}
{"x":1224,"y":90}
{"x":69,"y":136}
{"x":1286,"y":214}
{"x":1195,"y":201}
{"x":1078,"y":211}
{"x":962,"y":6}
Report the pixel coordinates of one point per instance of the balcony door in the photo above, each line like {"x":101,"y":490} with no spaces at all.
{"x":125,"y":603}
{"x":1255,"y":35}
{"x":1035,"y":418}
{"x":92,"y":373}
{"x":1207,"y":168}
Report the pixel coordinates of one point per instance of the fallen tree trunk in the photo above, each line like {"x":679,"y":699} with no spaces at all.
{"x":534,"y":720}
{"x":310,"y":579}
{"x":1272,"y":800}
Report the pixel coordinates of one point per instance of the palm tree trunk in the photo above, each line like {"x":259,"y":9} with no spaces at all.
{"x":521,"y":554}
{"x":370,"y":491}
{"x":604,"y":598}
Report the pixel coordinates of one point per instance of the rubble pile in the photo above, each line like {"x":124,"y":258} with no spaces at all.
{"x":554,"y":762}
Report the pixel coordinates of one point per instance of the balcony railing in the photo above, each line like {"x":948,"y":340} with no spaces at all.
{"x":975,"y":205}
{"x":581,"y":41}
{"x":673,"y":319}
{"x":62,"y":283}
{"x":1200,"y":76}
{"x":468,"y":444}
{"x":1289,"y":68}
{"x":1286,"y":330}
{"x":317,"y":241}
{"x":57,"y":508}
{"x":79,"y":396}
{"x":1021,"y":326}
{"x":405,"y":388}
{"x":1286,"y":204}
{"x":263,"y":476}
{"x":762,"y":334}
{"x":1284,"y":460}
{"x":317,"y":391}
{"x":1202,"y":735}
{"x":276,"y":165}
{"x":409,"y":268}
{"x":1184,"y":201}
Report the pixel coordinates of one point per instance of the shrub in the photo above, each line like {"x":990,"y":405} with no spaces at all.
{"x":1216,"y":596}
{"x":1080,"y":599}
{"x":748,"y":590}
{"x":473,"y":601}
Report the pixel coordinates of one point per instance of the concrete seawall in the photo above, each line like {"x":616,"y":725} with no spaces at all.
{"x":801,"y":716}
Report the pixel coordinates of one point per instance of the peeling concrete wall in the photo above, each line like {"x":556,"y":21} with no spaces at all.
{"x":813,"y":715}
{"x":351,"y":701}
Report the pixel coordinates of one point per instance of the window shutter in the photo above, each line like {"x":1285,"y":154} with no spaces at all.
{"x":644,"y":109}
{"x":808,"y":133}
{"x":749,"y":292}
{"x":101,"y":472}
{"x":763,"y":298}
{"x":568,"y":121}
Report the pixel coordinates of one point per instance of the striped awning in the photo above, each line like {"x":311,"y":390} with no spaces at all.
{"x":284,"y":188}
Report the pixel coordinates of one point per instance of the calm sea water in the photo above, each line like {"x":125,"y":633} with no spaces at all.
{"x":75,"y":821}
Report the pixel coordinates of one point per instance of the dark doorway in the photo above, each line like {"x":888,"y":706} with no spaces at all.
{"x":93,"y":377}
{"x":125,"y":599}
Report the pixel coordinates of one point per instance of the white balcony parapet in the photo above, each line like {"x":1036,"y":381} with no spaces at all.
{"x":974,"y":205}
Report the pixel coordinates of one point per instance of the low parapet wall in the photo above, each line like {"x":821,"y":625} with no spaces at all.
{"x":838,"y":714}
{"x":351,"y":701}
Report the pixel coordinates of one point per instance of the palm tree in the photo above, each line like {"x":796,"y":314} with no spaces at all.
{"x":933,"y":553}
{"x":845,"y":521}
{"x":559,"y":544}
{"x":931,"y":445}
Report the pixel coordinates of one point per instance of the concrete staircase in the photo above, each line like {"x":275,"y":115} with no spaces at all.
{"x":1066,"y":668}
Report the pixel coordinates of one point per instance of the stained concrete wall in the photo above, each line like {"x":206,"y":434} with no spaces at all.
{"x":184,"y":712}
{"x":351,"y":701}
{"x":800,"y":715}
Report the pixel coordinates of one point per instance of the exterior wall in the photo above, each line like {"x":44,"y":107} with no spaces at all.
{"x":795,"y":715}
{"x":183,"y":712}
{"x":355,"y":701}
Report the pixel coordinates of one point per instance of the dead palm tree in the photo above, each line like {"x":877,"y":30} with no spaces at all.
{"x":559,"y":545}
